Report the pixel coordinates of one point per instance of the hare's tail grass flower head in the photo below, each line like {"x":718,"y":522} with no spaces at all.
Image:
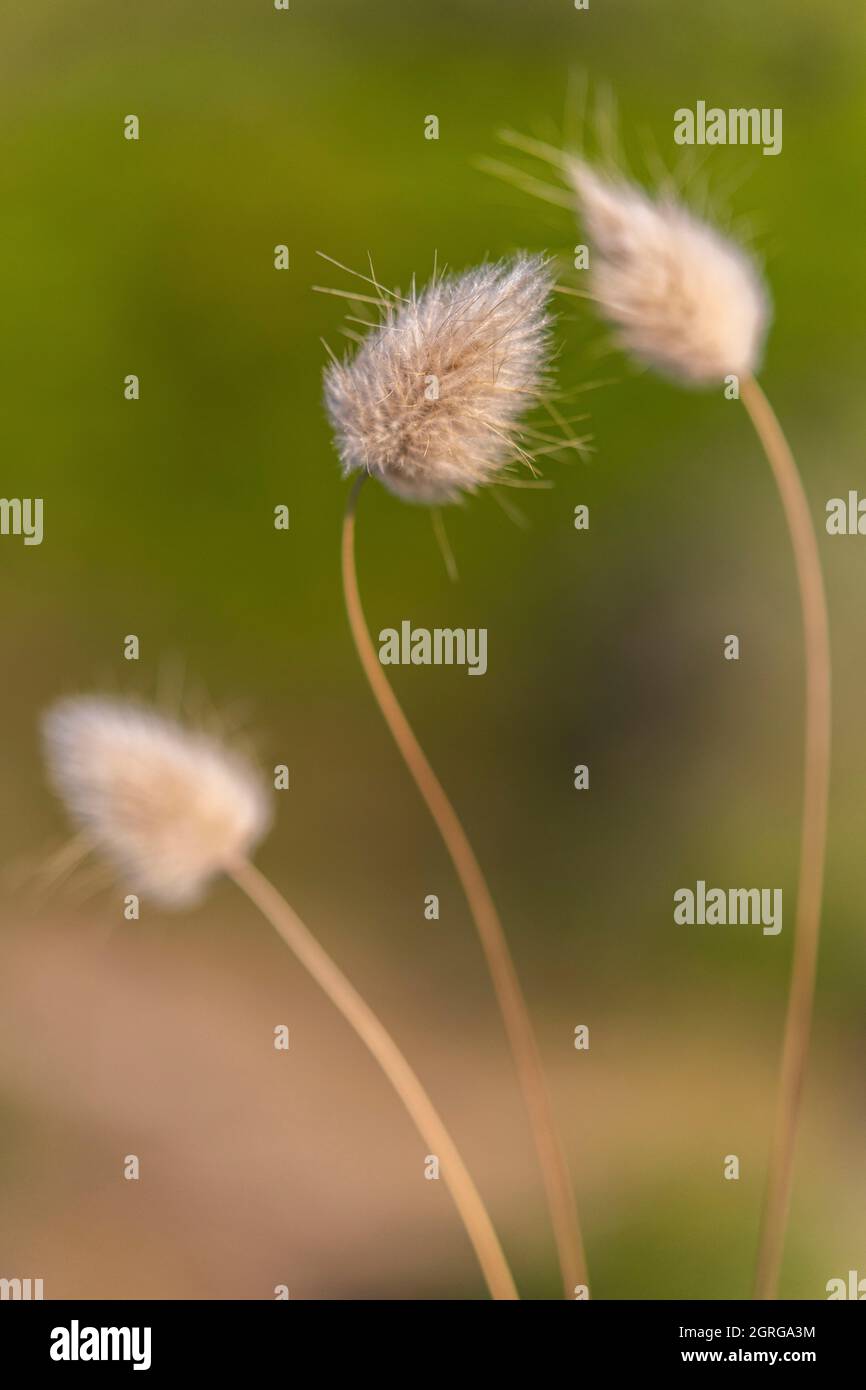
{"x":431,"y":404}
{"x":168,"y":807}
{"x":682,"y":297}
{"x":691,"y":303}
{"x":431,"y":401}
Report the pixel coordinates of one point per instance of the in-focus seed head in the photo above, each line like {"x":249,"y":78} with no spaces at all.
{"x":430,"y":403}
{"x":168,"y":807}
{"x":683,"y":298}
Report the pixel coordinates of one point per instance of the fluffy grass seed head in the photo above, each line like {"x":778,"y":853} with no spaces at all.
{"x":683,"y":298}
{"x":167,"y":806}
{"x":431,"y":401}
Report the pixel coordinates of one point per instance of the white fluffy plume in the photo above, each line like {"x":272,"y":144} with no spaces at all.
{"x":683,"y":298}
{"x":431,"y":401}
{"x":168,"y":807}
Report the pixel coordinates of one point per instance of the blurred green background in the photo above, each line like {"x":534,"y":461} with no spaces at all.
{"x":605,"y":648}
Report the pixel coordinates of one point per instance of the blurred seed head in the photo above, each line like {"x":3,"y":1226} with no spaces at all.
{"x":168,"y":807}
{"x":683,"y":298}
{"x":430,"y":403}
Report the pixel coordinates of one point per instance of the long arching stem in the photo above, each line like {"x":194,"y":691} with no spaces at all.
{"x":360,"y":1016}
{"x":798,"y":1022}
{"x":512,"y":1004}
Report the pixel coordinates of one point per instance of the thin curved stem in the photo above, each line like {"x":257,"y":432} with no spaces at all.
{"x":515,"y":1014}
{"x":376,"y":1038}
{"x":798,"y":1022}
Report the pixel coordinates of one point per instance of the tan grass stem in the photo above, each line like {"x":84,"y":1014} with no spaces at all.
{"x":798,"y":1022}
{"x":515,"y":1014}
{"x":375,"y":1037}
